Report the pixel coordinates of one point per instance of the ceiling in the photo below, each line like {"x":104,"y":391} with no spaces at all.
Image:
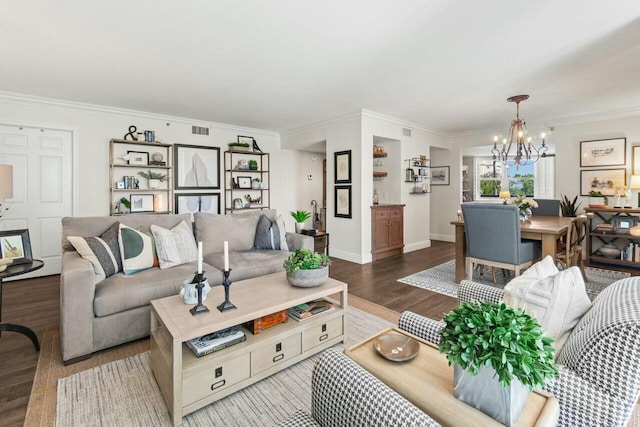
{"x":447,"y":65}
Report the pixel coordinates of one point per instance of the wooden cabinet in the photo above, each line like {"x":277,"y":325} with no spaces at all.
{"x":387,"y":231}
{"x":609,"y":240}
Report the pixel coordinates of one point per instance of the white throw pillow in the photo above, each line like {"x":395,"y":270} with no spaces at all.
{"x":557,"y":300}
{"x":176,"y":246}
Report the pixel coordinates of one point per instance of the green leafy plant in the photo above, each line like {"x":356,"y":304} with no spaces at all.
{"x":256,"y":179}
{"x":300,"y":216}
{"x":253,"y":164}
{"x":153,"y":175}
{"x":504,"y":338}
{"x":568,"y":207}
{"x":125,"y":202}
{"x":239,"y":144}
{"x":598,"y":194}
{"x":305,"y":259}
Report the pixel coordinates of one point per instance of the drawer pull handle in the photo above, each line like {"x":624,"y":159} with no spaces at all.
{"x":218,"y":384}
{"x":324,"y":328}
{"x":278,"y":357}
{"x":279,"y":347}
{"x":323,"y":337}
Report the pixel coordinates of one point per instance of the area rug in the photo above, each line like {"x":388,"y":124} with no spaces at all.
{"x":440,"y":279}
{"x":41,"y":410}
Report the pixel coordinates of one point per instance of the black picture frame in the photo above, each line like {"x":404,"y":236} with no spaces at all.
{"x":16,"y":244}
{"x":141,"y":202}
{"x":342,"y":167}
{"x":440,"y":175}
{"x":244,"y":182}
{"x":142,"y":158}
{"x":623,"y":223}
{"x":182,"y":203}
{"x":248,"y":139}
{"x":342,"y":201}
{"x":196,"y":167}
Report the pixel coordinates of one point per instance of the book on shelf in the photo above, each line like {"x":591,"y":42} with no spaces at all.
{"x":310,"y":309}
{"x":216,"y":341}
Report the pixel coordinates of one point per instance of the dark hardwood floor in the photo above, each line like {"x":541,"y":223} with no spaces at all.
{"x":36,"y":303}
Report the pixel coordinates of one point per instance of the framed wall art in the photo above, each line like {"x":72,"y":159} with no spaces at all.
{"x":244,"y":182}
{"x":342,"y":201}
{"x":342,"y":167}
{"x":196,"y":167}
{"x":15,"y":244}
{"x":440,"y":175}
{"x":635,"y":160}
{"x":197,"y":202}
{"x":603,"y":152}
{"x":138,"y":158}
{"x":141,"y":202}
{"x":603,"y":180}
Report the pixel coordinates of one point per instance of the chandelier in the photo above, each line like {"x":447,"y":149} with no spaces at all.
{"x":525,"y":152}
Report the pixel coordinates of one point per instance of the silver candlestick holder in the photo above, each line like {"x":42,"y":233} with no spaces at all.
{"x":226,"y":305}
{"x":199,"y":279}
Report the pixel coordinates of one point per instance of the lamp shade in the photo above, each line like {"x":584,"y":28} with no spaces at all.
{"x":635,"y":182}
{"x":6,"y":181}
{"x":505,"y":194}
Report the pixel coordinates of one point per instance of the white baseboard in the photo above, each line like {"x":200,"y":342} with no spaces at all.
{"x":350,"y":256}
{"x":417,"y":245}
{"x":444,"y":237}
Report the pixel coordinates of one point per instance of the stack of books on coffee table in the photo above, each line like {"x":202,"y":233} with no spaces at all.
{"x":216,"y":341}
{"x":308,"y":310}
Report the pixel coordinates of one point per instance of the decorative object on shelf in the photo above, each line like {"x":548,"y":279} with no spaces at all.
{"x":525,"y":152}
{"x":569,"y":208}
{"x":409,"y":175}
{"x":123,"y":205}
{"x":6,"y":187}
{"x":609,"y":250}
{"x":597,"y":199}
{"x":317,"y":223}
{"x":603,"y":152}
{"x":375,"y":196}
{"x":149,"y":136}
{"x":244,"y":182}
{"x":226,"y":282}
{"x":253,"y":165}
{"x":157,"y":159}
{"x":622,"y":223}
{"x":132,"y":134}
{"x":635,"y":231}
{"x":627,"y":197}
{"x":342,"y":167}
{"x":634,"y":185}
{"x":378,"y":151}
{"x":237,"y":203}
{"x":251,"y":200}
{"x":440,"y":175}
{"x":141,"y":202}
{"x":256,"y":184}
{"x":495,"y":372}
{"x":189,"y":291}
{"x":342,"y":202}
{"x":16,"y":245}
{"x":268,"y":321}
{"x":300,"y":217}
{"x":155,"y":178}
{"x":602,"y":180}
{"x":243,"y":164}
{"x":197,"y":202}
{"x":239,"y":146}
{"x":119,"y":185}
{"x":137,"y":158}
{"x":255,"y":147}
{"x":524,"y":205}
{"x":248,"y":140}
{"x":306,"y":268}
{"x":197,"y":167}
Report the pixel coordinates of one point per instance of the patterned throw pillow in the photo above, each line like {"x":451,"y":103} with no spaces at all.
{"x":136,"y":249}
{"x":147,"y":230}
{"x":176,"y":246}
{"x":103,"y":252}
{"x":270,"y":235}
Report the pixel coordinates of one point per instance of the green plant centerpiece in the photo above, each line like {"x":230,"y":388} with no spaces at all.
{"x":155,"y":178}
{"x":499,"y":354}
{"x":597,"y":199}
{"x":256,"y":183}
{"x":253,"y":165}
{"x":300,"y":217}
{"x":239,"y":146}
{"x":306,"y":268}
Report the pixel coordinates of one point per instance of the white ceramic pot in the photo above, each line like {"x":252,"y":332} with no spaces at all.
{"x":308,"y":278}
{"x":299,"y":227}
{"x":255,"y":185}
{"x":190,"y":293}
{"x":596,"y":201}
{"x":154,"y":183}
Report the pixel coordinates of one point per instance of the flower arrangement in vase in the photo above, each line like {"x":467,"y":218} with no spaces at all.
{"x":524,"y":205}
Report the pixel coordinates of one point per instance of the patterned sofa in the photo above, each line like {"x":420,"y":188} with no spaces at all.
{"x":599,"y":381}
{"x":345,"y":395}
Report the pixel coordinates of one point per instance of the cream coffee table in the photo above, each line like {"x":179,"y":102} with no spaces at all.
{"x":427,"y":382}
{"x":188,"y":383}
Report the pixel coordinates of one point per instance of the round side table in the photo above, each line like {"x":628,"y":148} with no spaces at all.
{"x":16,"y":270}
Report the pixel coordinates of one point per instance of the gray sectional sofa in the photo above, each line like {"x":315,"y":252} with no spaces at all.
{"x":116,"y":310}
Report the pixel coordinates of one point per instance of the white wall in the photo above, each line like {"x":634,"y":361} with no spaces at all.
{"x":306,"y":190}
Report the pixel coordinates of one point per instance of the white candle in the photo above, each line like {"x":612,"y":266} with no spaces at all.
{"x":226,"y":256}
{"x":199,"y":257}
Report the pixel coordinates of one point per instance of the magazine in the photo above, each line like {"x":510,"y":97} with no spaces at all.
{"x":310,"y":309}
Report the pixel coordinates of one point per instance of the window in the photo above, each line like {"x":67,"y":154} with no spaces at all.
{"x":534,"y":180}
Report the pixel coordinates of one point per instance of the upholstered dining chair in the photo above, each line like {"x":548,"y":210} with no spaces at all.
{"x":549,"y":207}
{"x":492,"y":234}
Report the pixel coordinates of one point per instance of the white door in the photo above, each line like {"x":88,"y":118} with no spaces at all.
{"x":42,"y":162}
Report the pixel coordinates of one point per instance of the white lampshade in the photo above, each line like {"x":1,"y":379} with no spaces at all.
{"x":635,"y":182}
{"x":6,"y":182}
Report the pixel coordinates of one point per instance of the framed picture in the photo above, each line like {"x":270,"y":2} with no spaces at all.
{"x":141,"y":202}
{"x":342,"y":164}
{"x":622,"y":224}
{"x":196,"y":167}
{"x":603,"y":180}
{"x":244,"y":182}
{"x":198,"y":202}
{"x":343,"y":201}
{"x":440,"y":175}
{"x":603,"y":152}
{"x":15,"y":244}
{"x":138,"y":158}
{"x":248,"y":139}
{"x":120,"y":185}
{"x":635,"y":160}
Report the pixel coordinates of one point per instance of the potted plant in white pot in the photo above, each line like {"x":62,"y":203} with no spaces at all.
{"x":256,"y":184}
{"x":499,"y":354}
{"x":300,"y":217}
{"x":155,"y":178}
{"x":597,"y":199}
{"x":306,"y":268}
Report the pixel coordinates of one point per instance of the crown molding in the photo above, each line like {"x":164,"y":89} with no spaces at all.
{"x":321,"y":124}
{"x":37,"y":101}
{"x":401,"y":122}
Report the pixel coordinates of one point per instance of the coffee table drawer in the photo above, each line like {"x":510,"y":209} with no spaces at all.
{"x":318,"y":334}
{"x":215,"y":379}
{"x":275,"y":353}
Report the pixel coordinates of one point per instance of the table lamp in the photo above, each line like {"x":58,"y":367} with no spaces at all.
{"x":635,"y":185}
{"x":505,"y":194}
{"x":6,"y":187}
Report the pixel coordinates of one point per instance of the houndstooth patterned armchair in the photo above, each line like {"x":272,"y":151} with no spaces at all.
{"x":599,"y":379}
{"x":343,"y":394}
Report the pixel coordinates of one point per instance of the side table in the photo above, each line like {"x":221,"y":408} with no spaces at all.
{"x":16,"y":270}
{"x":320,"y":235}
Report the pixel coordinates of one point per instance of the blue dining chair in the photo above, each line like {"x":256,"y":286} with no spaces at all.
{"x":492,"y":235}
{"x":547,"y":207}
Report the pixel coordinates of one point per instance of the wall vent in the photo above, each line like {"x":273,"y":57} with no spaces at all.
{"x":199,"y":130}
{"x":406,"y":132}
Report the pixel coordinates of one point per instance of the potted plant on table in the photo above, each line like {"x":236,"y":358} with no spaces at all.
{"x":155,"y":178}
{"x":597,"y":199}
{"x":300,"y":217}
{"x":306,"y":268}
{"x":569,"y":208}
{"x":499,"y":353}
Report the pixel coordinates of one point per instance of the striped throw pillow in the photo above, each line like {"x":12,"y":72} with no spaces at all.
{"x":103,"y":252}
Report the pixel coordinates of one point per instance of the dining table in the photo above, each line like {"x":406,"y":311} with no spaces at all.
{"x":545,"y":228}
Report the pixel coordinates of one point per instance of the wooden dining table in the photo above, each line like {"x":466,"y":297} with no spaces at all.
{"x":545,"y":228}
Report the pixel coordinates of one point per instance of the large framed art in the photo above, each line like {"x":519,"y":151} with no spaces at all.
{"x":196,"y":167}
{"x":605,"y":181}
{"x":603,"y":152}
